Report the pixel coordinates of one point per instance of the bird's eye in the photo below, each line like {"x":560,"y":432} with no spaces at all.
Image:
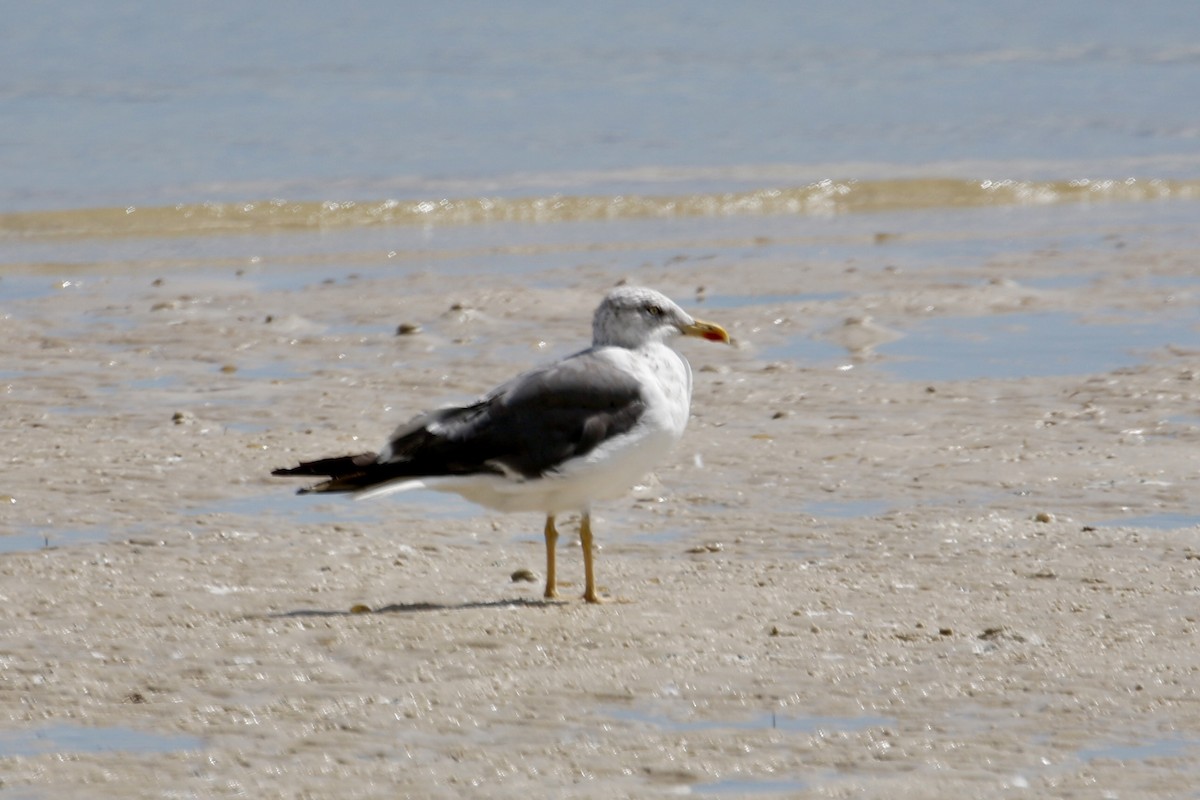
{"x":654,"y":311}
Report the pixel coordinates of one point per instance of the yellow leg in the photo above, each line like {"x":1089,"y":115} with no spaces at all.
{"x":589,"y":576}
{"x":551,"y":541}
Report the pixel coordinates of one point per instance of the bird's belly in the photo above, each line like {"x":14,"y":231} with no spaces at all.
{"x":607,"y":472}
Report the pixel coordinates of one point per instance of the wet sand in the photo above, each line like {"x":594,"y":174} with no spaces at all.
{"x":846,"y":583}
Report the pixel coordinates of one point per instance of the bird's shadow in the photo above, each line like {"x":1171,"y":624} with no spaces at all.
{"x":415,"y":608}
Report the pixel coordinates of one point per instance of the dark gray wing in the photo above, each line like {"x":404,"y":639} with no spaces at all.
{"x":528,"y":426}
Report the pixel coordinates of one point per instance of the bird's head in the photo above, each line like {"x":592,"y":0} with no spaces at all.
{"x":631,"y":316}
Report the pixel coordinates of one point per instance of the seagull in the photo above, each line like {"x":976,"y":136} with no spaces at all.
{"x":555,"y":439}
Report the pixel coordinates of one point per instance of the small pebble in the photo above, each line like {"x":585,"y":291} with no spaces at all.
{"x":407,"y":329}
{"x":1043,"y":516}
{"x":524,"y":575}
{"x":359,"y":608}
{"x":228,"y":369}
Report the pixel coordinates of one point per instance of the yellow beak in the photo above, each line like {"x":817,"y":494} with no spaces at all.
{"x":706,"y":330}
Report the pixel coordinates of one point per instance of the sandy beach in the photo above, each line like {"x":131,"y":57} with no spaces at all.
{"x":848,"y":581}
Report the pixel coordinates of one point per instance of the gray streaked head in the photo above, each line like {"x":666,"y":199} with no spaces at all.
{"x":631,"y":316}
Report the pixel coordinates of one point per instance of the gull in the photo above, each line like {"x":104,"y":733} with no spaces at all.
{"x":555,"y":439}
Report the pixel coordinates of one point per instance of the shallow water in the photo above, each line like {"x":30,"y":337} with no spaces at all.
{"x":327,"y":510}
{"x":1139,"y":751}
{"x":34,"y":539}
{"x":1032,"y":345}
{"x":141,"y":104}
{"x":847,"y":509}
{"x":1165,"y":521}
{"x":65,"y":738}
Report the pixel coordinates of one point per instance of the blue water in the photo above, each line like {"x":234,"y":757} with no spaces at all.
{"x":68,"y":738}
{"x":1164,"y":521}
{"x":141,"y":102}
{"x":1157,"y":749}
{"x":1023,"y":345}
{"x":40,"y":538}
